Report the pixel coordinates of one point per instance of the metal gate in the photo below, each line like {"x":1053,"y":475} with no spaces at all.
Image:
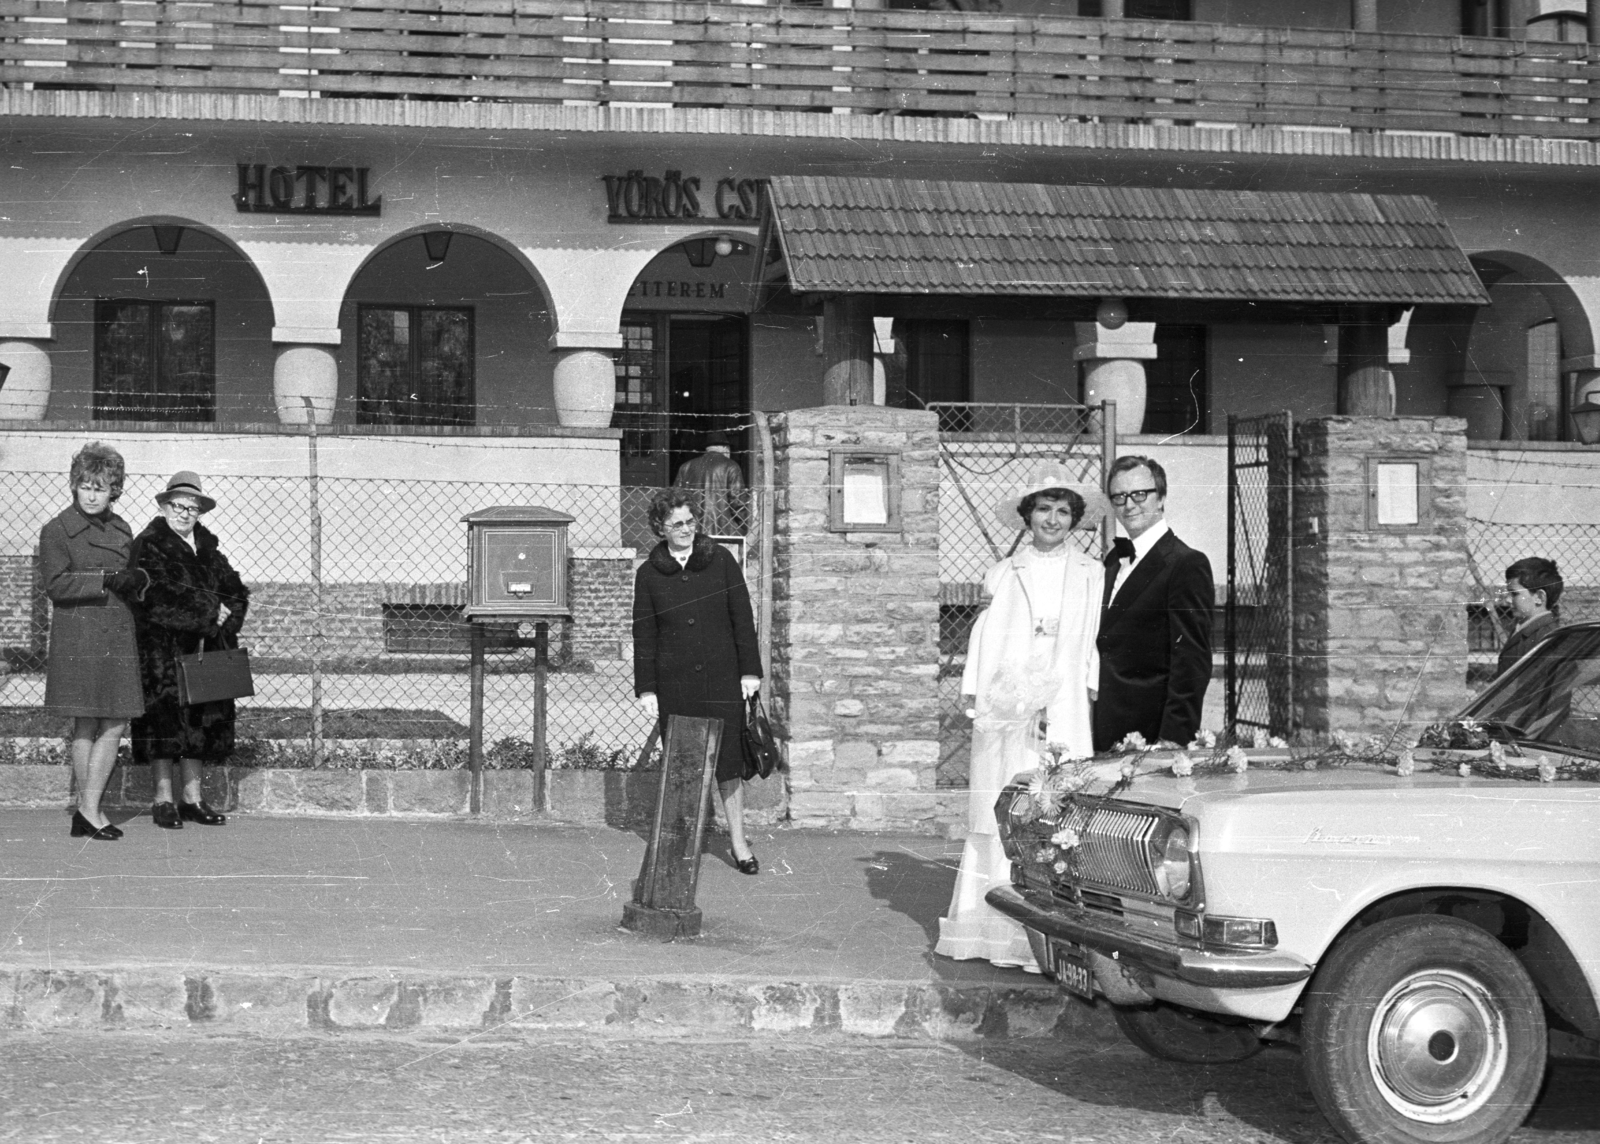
{"x":1259,"y":639}
{"x":985,"y":450}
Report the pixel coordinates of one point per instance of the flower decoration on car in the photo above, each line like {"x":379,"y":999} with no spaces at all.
{"x":1053,"y":851}
{"x":1066,"y":838}
{"x":1458,"y":735}
{"x":1464,"y":748}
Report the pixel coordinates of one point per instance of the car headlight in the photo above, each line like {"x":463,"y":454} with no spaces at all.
{"x":1008,"y":816}
{"x":1171,"y":861}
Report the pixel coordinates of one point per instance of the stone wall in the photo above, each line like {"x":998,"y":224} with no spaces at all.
{"x":1380,"y":617}
{"x":601,"y":598}
{"x":856,"y":629}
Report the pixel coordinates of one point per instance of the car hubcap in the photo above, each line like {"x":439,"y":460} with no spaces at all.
{"x":1437,"y":1046}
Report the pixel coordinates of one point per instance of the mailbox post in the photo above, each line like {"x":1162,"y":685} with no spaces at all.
{"x":517,"y":571}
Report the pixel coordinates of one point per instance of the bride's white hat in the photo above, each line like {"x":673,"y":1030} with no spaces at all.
{"x":1051,"y":475}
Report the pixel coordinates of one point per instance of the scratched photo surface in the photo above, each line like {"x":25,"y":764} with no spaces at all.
{"x":1140,"y":455}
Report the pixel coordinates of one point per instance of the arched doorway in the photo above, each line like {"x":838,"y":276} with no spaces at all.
{"x":446,"y":328}
{"x":1502,"y":365}
{"x":684,"y":370}
{"x":165,"y":322}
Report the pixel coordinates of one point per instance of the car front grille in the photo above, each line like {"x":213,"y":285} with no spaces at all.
{"x":1113,"y":847}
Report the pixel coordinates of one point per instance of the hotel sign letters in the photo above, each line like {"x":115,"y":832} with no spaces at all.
{"x":305,"y":190}
{"x":674,"y":197}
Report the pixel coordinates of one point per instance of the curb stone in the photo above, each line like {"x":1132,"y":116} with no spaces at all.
{"x":305,"y":1001}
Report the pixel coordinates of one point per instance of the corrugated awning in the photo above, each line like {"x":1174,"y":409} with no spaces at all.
{"x":893,"y":236}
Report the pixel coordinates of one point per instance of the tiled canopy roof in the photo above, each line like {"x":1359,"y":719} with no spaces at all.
{"x":891,"y":236}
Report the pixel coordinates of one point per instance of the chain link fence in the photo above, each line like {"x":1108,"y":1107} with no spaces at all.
{"x":369,"y":633}
{"x":1258,"y":640}
{"x":1494,"y":546}
{"x":985,"y":451}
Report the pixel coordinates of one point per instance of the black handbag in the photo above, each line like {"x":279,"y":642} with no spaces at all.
{"x":761,"y":754}
{"x":207,"y":676}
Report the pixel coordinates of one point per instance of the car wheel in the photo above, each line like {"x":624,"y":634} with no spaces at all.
{"x":1172,"y":1034}
{"x":1423,"y":1029}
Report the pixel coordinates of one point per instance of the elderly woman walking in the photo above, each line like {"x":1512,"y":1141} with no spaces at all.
{"x":694,"y":644}
{"x":195,"y":598}
{"x":92,"y":672}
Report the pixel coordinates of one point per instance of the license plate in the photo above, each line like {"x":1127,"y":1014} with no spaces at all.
{"x":1072,"y":969}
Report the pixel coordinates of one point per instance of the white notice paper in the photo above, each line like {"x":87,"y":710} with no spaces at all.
{"x":1397,"y":493}
{"x":864,"y":499}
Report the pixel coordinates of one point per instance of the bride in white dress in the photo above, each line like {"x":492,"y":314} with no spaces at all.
{"x":1031,"y":664}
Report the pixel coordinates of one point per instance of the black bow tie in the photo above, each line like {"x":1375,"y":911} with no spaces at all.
{"x":1121,"y":549}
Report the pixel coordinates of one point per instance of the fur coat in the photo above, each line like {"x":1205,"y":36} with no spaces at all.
{"x":179,"y":610}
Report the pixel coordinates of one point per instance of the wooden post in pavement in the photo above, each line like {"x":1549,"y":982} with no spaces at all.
{"x":663,"y":897}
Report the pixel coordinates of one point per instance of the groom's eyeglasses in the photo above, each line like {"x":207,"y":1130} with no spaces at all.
{"x":1137,"y":496}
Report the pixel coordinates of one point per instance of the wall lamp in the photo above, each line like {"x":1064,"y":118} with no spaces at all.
{"x":437,"y":243}
{"x":702,"y":252}
{"x":168,"y":238}
{"x":1586,"y":420}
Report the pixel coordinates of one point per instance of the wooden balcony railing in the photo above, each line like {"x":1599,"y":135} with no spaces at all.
{"x":784,"y":58}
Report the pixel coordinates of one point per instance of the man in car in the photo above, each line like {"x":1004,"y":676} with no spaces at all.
{"x":1533,"y":593}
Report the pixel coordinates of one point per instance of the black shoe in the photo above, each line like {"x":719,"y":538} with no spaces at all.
{"x":201,"y":813}
{"x":165,"y":814}
{"x":747,"y":865}
{"x":83,"y":828}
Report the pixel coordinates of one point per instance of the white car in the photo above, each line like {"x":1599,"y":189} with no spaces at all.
{"x":1422,"y":923}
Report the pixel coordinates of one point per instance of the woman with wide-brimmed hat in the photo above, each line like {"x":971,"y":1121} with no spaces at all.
{"x":1029,"y":679}
{"x":195,"y":598}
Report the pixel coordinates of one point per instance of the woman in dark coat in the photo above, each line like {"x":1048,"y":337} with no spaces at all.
{"x":195,"y":597}
{"x":92,"y":672}
{"x":694,"y":643}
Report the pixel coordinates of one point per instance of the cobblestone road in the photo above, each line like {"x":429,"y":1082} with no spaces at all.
{"x":124,"y":1088}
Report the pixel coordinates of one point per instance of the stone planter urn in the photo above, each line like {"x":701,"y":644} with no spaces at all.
{"x":25,"y":395}
{"x":1121,"y":381}
{"x":302,"y":372}
{"x":585,"y":389}
{"x":1113,"y":351}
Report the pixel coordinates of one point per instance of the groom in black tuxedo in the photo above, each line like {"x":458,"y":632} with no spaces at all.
{"x":1155,"y":626}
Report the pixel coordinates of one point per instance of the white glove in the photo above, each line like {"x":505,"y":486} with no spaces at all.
{"x":648,"y":704}
{"x":749,"y":684}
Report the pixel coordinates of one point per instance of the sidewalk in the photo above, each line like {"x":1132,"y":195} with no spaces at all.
{"x":273,"y":924}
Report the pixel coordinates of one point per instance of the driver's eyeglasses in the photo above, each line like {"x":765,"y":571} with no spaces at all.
{"x":184,"y":509}
{"x":1137,"y":496}
{"x":680,"y":524}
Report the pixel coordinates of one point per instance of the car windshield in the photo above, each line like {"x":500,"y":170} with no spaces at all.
{"x":1551,"y":696}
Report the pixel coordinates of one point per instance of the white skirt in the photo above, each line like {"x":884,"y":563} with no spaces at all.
{"x":973,"y":928}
